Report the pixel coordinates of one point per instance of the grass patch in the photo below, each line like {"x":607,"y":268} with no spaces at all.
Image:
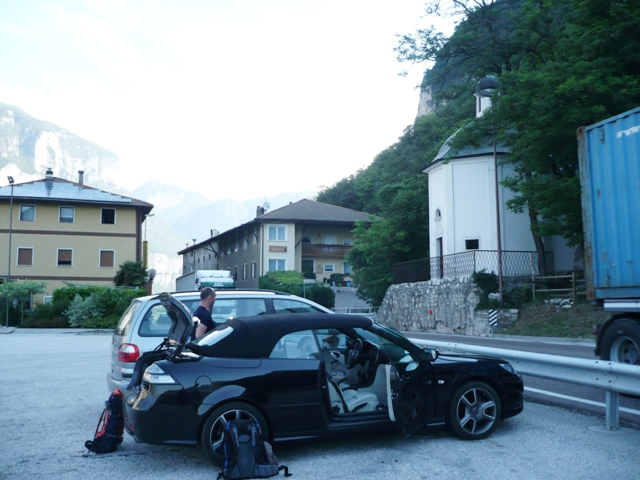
{"x":545,"y":320}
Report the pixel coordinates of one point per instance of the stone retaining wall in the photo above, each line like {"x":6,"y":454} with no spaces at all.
{"x":440,"y":305}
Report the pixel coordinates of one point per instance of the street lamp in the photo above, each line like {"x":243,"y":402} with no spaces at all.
{"x":10,"y":178}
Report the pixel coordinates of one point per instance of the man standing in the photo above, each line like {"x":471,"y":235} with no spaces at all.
{"x":203,"y":312}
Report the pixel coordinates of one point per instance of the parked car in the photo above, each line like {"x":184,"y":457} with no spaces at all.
{"x":309,"y":376}
{"x":145,"y":322}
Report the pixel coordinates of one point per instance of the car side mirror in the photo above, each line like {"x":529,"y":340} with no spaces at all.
{"x":432,"y":353}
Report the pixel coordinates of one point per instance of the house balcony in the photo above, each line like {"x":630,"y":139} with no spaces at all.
{"x":319,"y":250}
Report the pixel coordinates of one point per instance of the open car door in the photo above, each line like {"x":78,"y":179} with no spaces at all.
{"x":409,"y":394}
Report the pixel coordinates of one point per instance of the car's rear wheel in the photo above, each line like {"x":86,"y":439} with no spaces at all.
{"x":213,"y":430}
{"x":474,"y":411}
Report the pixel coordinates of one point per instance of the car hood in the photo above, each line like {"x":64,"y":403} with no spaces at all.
{"x":181,"y":320}
{"x":449,"y":357}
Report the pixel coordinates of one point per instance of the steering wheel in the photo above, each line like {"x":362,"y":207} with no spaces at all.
{"x":354,"y":353}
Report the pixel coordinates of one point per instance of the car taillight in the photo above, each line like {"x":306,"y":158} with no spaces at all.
{"x":128,"y":352}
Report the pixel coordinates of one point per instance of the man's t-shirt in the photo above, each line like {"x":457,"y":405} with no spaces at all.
{"x":205,"y":318}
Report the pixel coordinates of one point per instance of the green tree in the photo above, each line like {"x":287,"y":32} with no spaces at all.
{"x":19,"y":292}
{"x":131,"y":274}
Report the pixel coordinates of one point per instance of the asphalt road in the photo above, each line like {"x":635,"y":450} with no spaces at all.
{"x":567,"y":395}
{"x":54,"y":388}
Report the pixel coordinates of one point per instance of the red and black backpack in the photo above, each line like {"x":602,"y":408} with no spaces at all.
{"x":110,"y":429}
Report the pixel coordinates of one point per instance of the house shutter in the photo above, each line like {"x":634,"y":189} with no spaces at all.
{"x":107,"y":258}
{"x":65,"y":256}
{"x":25,"y":256}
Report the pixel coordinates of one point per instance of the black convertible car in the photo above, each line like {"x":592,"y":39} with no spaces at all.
{"x":306,"y":376}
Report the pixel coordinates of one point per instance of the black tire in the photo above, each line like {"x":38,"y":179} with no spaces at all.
{"x":474,"y":411}
{"x":621,"y":341}
{"x":213,"y":430}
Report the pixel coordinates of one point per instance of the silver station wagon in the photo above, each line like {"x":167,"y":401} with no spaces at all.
{"x":145,"y":324}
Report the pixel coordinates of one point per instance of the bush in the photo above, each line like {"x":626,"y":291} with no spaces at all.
{"x":322,"y":295}
{"x":291,"y":282}
{"x":43,"y":322}
{"x":102,"y":309}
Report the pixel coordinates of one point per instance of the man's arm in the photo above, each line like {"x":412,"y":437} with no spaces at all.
{"x":202,"y":328}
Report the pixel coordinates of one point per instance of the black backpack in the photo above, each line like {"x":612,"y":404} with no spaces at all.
{"x":247,"y":454}
{"x":110,"y":427}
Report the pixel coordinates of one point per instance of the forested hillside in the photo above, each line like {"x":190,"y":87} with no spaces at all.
{"x":561,"y":64}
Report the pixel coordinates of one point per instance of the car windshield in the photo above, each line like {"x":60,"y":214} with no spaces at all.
{"x":394,"y":337}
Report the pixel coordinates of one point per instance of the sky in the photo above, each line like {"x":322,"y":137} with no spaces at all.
{"x":232,"y":99}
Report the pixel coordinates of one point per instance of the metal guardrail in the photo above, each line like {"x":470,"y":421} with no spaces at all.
{"x":613,"y":377}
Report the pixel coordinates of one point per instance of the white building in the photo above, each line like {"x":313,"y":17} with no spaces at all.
{"x":463,"y":214}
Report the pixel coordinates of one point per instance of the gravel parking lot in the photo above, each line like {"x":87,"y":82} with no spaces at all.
{"x":54,"y":389}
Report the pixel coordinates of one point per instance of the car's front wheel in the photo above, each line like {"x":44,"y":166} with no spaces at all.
{"x":474,"y":411}
{"x":213,"y":430}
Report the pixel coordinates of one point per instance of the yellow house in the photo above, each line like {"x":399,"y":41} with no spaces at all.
{"x":306,"y":236}
{"x":60,"y":231}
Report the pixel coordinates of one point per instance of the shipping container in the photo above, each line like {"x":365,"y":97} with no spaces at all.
{"x":609,"y":155}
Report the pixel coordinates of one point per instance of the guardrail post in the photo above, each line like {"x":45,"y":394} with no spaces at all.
{"x":612,"y":421}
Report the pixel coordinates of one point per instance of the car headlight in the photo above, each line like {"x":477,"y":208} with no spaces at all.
{"x":508,"y":368}
{"x":157,"y":376}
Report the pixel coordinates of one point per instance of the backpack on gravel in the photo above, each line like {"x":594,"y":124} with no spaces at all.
{"x":247,"y":454}
{"x":110,"y":429}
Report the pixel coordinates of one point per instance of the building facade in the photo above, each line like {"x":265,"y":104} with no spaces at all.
{"x":306,"y":236}
{"x":64,"y":232}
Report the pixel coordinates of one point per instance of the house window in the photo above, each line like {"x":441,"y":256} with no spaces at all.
{"x":347,"y":242}
{"x":244,"y":271}
{"x":277,"y":233}
{"x":438,"y":215}
{"x":107,"y":258}
{"x":346,"y":268}
{"x":67,"y":215}
{"x":253,"y":269}
{"x":329,"y":267}
{"x":65,"y":257}
{"x":108,"y":216}
{"x":276,"y":264}
{"x":472,"y":244}
{"x":25,"y":256}
{"x":329,"y":239}
{"x":27,"y":213}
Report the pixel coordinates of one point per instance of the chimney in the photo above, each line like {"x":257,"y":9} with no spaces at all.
{"x":49,"y":174}
{"x":81,"y":177}
{"x":259,"y":211}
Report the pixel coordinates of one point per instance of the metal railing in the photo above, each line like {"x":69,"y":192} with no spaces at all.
{"x":325,"y":250}
{"x":410,"y":272}
{"x":514,"y":263}
{"x":615,"y":378}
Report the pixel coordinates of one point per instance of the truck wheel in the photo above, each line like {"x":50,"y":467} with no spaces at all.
{"x":620,"y":342}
